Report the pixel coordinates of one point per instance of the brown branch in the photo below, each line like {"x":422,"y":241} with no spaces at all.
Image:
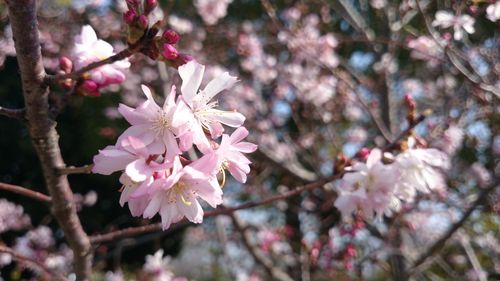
{"x":99,"y":238}
{"x":275,"y":272}
{"x":446,"y":236}
{"x":20,"y":258}
{"x":25,"y":192}
{"x":85,"y":169}
{"x":50,"y":79}
{"x":42,"y":130}
{"x":13,"y":113}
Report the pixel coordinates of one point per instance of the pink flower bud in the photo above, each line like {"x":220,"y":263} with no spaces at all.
{"x":410,"y":102}
{"x":149,"y":5}
{"x":171,"y":36}
{"x":65,"y":64}
{"x":90,"y":88}
{"x":143,"y":21}
{"x":129,"y":17}
{"x":363,"y":153}
{"x":169,"y":52}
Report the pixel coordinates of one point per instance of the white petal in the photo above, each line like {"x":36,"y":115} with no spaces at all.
{"x":217,"y":85}
{"x":191,"y":74}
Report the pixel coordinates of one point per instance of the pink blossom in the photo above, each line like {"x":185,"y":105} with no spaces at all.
{"x":158,"y":267}
{"x":451,"y":140}
{"x":211,"y":11}
{"x":175,"y":194}
{"x":425,"y":48}
{"x":493,"y":11}
{"x":155,"y":126}
{"x":480,"y":174}
{"x":88,"y":48}
{"x":230,"y":154}
{"x":446,"y":19}
{"x":419,"y":172}
{"x":369,"y":187}
{"x":205,"y":114}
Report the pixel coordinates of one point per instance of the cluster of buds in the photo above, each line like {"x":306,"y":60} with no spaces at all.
{"x":157,"y":47}
{"x":136,"y":17}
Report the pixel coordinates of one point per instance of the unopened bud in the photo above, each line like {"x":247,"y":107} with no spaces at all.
{"x":410,"y":102}
{"x":149,"y":5}
{"x":65,"y":64}
{"x":90,"y":88}
{"x":171,"y":37}
{"x":363,"y":153}
{"x":143,"y":21}
{"x":129,"y":17}
{"x":169,"y":52}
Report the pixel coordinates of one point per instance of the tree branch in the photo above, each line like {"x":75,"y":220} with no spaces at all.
{"x":99,"y":238}
{"x":442,"y":241}
{"x":15,"y":255}
{"x":85,"y":169}
{"x":42,"y":129}
{"x":275,"y":272}
{"x":25,"y":192}
{"x":13,"y":113}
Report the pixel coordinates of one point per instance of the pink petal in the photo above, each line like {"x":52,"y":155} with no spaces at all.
{"x":214,"y":87}
{"x":193,"y":212}
{"x":153,"y":206}
{"x":131,"y":115}
{"x":191,"y":74}
{"x":245,"y":147}
{"x":169,"y":215}
{"x":110,"y":160}
{"x":229,"y":118}
{"x":238,"y":174}
{"x":210,"y":191}
{"x":138,"y":170}
{"x":238,"y":135}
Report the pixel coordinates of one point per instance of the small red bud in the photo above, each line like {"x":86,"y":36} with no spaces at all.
{"x":169,"y":52}
{"x":143,"y":21}
{"x":363,"y":153}
{"x":149,"y":5}
{"x":90,"y":88}
{"x":65,"y":64}
{"x":410,"y":102}
{"x":171,"y":37}
{"x":129,"y":17}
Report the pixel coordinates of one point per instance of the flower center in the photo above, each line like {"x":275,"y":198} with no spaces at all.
{"x":161,"y":123}
{"x":179,"y":189}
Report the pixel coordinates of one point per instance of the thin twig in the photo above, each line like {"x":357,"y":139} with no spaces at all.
{"x":25,"y":192}
{"x":446,"y":236}
{"x":85,"y":169}
{"x":20,"y":258}
{"x":13,"y":113}
{"x":406,"y":132}
{"x":99,"y":238}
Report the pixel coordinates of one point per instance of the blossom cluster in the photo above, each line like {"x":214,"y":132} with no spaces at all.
{"x":156,"y":177}
{"x":376,"y":189}
{"x":88,"y":49}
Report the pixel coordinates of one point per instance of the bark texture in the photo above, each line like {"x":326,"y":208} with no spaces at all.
{"x":42,"y":129}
